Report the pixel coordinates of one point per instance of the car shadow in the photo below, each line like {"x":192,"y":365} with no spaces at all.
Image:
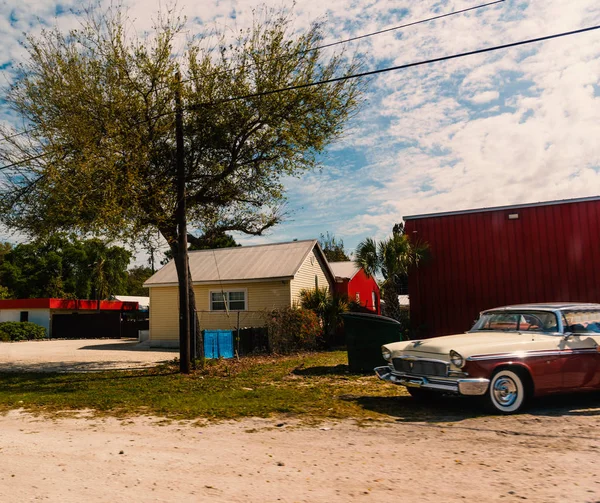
{"x":572,"y":404}
{"x":441,"y":409}
{"x":447,"y":408}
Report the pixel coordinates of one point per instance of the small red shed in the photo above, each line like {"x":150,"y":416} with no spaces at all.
{"x":352,"y":281}
{"x":490,"y":257}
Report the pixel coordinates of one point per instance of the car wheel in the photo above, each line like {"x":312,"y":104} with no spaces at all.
{"x":419,"y":394}
{"x":507,"y":393}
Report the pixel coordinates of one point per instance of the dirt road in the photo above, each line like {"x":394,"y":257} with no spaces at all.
{"x":79,"y":355}
{"x":539,"y":457}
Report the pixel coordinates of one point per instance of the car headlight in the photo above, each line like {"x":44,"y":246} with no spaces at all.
{"x":386,"y":353}
{"x":456,"y":359}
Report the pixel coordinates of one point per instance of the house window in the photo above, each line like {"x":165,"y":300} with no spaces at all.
{"x":316,"y":282}
{"x":358,"y":297}
{"x":234,"y":300}
{"x":374,"y":300}
{"x":24,"y":316}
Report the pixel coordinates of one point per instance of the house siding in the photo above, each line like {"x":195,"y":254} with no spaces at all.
{"x":260,"y":298}
{"x":164,"y":314}
{"x":305,"y":277}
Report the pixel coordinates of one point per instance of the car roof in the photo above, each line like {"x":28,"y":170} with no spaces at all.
{"x":548,"y":306}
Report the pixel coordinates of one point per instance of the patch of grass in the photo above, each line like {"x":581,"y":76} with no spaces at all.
{"x":307,"y":385}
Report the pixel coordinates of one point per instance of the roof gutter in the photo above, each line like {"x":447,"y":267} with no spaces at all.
{"x":502,"y":208}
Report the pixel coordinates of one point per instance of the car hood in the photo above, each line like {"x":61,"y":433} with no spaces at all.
{"x":472,"y":343}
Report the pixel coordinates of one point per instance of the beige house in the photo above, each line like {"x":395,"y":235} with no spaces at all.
{"x":236,"y":286}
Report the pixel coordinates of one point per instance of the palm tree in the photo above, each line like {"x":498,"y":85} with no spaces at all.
{"x":327,"y":307}
{"x":393,"y":258}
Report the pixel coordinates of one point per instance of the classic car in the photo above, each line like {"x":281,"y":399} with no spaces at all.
{"x":511,"y":354}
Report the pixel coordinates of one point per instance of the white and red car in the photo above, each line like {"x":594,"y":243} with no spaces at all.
{"x":511,"y":354}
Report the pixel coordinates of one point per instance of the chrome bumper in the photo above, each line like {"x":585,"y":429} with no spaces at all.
{"x":461,"y":386}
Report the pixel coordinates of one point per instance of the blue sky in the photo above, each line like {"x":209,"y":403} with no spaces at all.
{"x":520,"y":125}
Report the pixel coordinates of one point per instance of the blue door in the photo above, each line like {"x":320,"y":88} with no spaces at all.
{"x":218,"y":343}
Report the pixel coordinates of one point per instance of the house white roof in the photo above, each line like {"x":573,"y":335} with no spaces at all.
{"x":345,"y":270}
{"x":243,"y":263}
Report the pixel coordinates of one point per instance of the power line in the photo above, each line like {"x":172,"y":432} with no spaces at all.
{"x":360,"y":75}
{"x":386,"y":30}
{"x":399,"y":67}
{"x":23,"y":161}
{"x":331,"y":44}
{"x":345,"y":41}
{"x":25,"y":131}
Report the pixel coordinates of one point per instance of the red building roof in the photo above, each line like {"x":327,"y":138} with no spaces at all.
{"x":69,"y":304}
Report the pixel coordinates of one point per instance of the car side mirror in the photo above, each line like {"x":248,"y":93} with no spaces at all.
{"x":567,"y":335}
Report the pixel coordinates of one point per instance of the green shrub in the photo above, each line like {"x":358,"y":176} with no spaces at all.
{"x":329,"y":309}
{"x":293,"y":329}
{"x":21,"y":331}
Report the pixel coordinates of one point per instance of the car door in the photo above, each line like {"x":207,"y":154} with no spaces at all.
{"x":546,"y":363}
{"x":545,"y":358}
{"x":581,"y":367}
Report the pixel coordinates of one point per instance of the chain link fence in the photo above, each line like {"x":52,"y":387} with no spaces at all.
{"x":248,"y":328}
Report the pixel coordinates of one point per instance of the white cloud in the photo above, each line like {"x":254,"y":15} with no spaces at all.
{"x":519,"y":125}
{"x":484,"y":97}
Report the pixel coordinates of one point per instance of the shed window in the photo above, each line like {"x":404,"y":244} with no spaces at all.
{"x":234,"y":300}
{"x":24,"y":316}
{"x":374,"y":300}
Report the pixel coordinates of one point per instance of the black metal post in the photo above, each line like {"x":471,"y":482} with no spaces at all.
{"x":184,"y":312}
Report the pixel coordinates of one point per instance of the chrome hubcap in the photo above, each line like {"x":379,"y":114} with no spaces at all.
{"x":505,"y":391}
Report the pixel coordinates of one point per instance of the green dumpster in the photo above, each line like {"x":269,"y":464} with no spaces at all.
{"x":365,"y":334}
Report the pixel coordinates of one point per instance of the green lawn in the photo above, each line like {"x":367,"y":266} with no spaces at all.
{"x":308,"y":385}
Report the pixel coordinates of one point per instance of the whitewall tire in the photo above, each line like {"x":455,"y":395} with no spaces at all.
{"x":507,"y":393}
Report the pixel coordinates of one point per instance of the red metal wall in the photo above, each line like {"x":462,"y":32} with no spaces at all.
{"x":364,"y":286}
{"x":483,"y":260}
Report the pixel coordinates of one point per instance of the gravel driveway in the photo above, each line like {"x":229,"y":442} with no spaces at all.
{"x":79,"y":355}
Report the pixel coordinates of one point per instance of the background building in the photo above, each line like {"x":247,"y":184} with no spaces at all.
{"x":236,"y":287}
{"x":352,"y":281}
{"x":489,"y":257}
{"x":72,"y":319}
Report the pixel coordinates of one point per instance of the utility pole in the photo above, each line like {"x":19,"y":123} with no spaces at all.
{"x":182,"y":259}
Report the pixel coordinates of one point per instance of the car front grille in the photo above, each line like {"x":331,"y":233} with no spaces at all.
{"x":421,"y":367}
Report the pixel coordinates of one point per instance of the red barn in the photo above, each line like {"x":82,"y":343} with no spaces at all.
{"x":352,"y":281}
{"x":491,"y":257}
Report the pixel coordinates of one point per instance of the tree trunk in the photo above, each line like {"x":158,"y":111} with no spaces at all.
{"x":181,"y":258}
{"x":391,"y":309}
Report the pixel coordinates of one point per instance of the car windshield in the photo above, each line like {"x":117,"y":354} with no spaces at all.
{"x":582,"y":322}
{"x":516,"y":321}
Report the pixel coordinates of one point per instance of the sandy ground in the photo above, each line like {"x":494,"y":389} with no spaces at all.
{"x":533,"y":458}
{"x":79,"y":355}
{"x":550,"y":454}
